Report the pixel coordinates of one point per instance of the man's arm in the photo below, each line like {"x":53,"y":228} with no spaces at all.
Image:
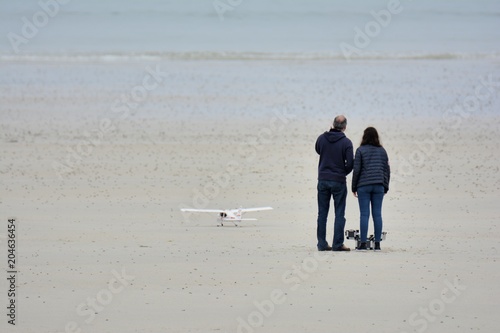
{"x":349,"y":159}
{"x":317,"y":145}
{"x":355,"y":173}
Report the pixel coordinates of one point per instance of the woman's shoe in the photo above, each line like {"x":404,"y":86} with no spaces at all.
{"x":377,"y":246}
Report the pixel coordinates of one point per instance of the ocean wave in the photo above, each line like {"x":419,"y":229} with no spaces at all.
{"x":162,"y":56}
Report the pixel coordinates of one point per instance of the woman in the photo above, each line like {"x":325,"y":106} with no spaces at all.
{"x":370,"y":182}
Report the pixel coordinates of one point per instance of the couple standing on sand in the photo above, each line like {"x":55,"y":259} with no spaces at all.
{"x":370,"y":182}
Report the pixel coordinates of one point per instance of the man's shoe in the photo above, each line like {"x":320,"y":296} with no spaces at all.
{"x":362,"y":247}
{"x":343,"y":248}
{"x":328,"y":248}
{"x":377,"y":246}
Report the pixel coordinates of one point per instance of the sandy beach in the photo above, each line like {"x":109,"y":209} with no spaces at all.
{"x":98,"y":157}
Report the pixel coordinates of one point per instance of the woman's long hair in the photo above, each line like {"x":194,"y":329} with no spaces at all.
{"x":370,"y":137}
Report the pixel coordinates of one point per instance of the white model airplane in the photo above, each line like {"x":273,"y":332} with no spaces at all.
{"x":231,"y":215}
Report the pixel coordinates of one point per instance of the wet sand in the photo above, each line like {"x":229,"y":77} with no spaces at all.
{"x":98,"y":158}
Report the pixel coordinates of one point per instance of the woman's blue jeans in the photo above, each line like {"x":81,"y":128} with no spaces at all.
{"x":370,"y":195}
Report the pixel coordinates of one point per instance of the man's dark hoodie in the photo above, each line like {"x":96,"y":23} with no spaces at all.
{"x":335,"y":156}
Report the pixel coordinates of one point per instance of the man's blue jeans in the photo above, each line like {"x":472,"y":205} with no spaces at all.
{"x":370,"y":195}
{"x":326,"y":190}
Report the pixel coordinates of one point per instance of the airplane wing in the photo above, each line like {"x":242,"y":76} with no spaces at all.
{"x":255,"y":209}
{"x":202,"y":210}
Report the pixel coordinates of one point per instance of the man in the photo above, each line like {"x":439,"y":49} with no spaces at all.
{"x":335,"y":163}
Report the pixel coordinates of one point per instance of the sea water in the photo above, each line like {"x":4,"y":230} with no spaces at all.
{"x":154,"y":32}
{"x":251,"y":28}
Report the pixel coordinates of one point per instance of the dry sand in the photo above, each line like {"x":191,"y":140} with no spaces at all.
{"x":97,"y":189}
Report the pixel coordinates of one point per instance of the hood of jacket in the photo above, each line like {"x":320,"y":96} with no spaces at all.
{"x":334,"y":135}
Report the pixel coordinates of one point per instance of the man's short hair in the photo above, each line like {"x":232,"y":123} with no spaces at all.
{"x":340,"y":123}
